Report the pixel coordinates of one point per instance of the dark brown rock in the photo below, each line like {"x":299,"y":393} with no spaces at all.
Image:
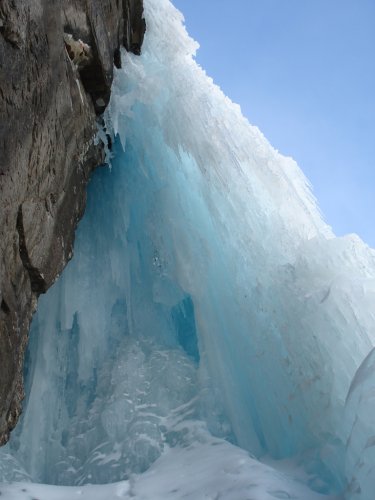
{"x":49,"y":105}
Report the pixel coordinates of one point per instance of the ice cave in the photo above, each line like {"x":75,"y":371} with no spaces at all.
{"x":211,"y":338}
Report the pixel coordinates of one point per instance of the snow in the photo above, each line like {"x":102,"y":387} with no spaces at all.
{"x":205,"y":471}
{"x":209,"y":312}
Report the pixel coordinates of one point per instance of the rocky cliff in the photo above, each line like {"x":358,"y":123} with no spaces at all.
{"x":56,"y":69}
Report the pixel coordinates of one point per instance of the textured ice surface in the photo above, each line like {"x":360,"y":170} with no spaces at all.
{"x":206,"y":297}
{"x":360,"y":429}
{"x":203,"y":471}
{"x":113,"y":367}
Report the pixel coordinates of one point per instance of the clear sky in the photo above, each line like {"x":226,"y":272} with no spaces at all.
{"x":303,"y":71}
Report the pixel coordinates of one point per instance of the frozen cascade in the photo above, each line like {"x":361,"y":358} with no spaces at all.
{"x":208,"y":307}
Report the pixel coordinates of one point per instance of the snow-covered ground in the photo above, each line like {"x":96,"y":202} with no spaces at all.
{"x":215,"y":471}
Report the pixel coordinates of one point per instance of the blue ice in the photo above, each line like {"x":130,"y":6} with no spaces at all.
{"x":207,"y":300}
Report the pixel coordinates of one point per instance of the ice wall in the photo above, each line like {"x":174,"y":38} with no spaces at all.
{"x":113,"y":369}
{"x":206,"y":292}
{"x":284,"y":309}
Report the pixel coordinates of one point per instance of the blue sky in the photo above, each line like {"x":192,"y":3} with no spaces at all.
{"x":303,"y":71}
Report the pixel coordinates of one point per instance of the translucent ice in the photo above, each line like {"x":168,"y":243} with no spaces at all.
{"x":207,"y":301}
{"x":360,"y":432}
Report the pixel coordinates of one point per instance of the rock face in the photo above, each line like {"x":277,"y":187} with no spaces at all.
{"x":51,"y":94}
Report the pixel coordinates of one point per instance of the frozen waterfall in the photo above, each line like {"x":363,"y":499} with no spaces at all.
{"x":210,"y":324}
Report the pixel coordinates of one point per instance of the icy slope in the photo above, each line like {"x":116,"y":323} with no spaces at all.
{"x":211,"y":471}
{"x":207,"y":304}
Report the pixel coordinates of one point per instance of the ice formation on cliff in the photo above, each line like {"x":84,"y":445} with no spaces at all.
{"x":208,"y":307}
